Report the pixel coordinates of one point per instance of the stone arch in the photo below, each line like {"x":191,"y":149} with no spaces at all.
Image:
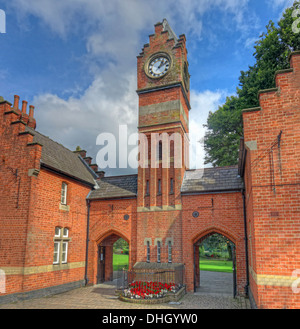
{"x":105,"y":242}
{"x":214,"y":230}
{"x":201,"y":236}
{"x":110,"y":232}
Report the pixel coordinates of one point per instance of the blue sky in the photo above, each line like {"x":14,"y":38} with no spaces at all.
{"x":75,"y":60}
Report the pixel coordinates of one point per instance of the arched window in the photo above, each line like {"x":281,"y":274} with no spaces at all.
{"x":160,"y":150}
{"x":170,"y":251}
{"x":171,"y":186}
{"x":148,"y":251}
{"x":158,"y":251}
{"x":159,"y":187}
{"x":64,"y":190}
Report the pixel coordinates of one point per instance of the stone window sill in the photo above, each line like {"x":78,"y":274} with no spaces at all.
{"x":64,"y":207}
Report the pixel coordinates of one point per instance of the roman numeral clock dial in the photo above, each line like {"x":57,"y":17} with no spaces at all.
{"x":158,"y":66}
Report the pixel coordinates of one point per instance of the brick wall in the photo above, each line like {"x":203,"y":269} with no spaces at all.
{"x":30,"y":200}
{"x":107,"y":221}
{"x":225,"y":217}
{"x":273,"y":194}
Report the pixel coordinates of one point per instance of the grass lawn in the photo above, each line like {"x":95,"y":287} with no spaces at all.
{"x":120,"y":260}
{"x":215,"y":265}
{"x":206,"y":264}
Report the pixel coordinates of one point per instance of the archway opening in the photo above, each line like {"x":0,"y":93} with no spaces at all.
{"x":120,"y":256}
{"x":113,"y":256}
{"x":215,"y":265}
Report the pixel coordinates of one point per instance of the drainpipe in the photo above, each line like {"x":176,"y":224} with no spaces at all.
{"x":246,"y":242}
{"x":87,"y":242}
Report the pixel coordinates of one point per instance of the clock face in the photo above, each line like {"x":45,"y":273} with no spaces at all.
{"x":159,"y":66}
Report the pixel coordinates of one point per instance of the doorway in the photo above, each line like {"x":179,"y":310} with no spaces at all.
{"x":113,"y":256}
{"x":215,"y":265}
{"x":101,"y":264}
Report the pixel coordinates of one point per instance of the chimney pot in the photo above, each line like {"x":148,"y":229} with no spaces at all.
{"x":24,"y":107}
{"x":88,"y":160}
{"x":101,"y":174}
{"x":94,"y":167}
{"x":31,"y":111}
{"x":16,"y":101}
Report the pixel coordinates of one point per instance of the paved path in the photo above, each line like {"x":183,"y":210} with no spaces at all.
{"x":102,"y":296}
{"x":216,"y":284}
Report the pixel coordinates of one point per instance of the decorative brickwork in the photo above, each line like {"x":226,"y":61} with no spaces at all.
{"x":31,"y":209}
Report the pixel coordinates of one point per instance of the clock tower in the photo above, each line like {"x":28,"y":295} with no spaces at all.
{"x":164,"y":104}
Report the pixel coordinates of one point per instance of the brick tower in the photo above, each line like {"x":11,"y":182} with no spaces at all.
{"x":163,"y":89}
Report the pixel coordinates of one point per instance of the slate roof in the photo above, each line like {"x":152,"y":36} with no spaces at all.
{"x":115,"y":187}
{"x":61,"y":159}
{"x":211,"y":179}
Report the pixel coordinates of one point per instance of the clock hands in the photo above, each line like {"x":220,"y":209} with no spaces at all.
{"x":159,"y":66}
{"x":162,"y":63}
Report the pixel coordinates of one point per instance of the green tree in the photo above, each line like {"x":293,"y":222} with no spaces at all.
{"x":215,"y":243}
{"x":225,"y":126}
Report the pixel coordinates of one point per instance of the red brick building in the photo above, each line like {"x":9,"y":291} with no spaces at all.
{"x":52,"y":198}
{"x":269,"y":163}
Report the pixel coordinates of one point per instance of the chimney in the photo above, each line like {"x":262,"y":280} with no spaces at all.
{"x":94,"y":167}
{"x":24,"y":116}
{"x":100,"y":174}
{"x":82,"y":153}
{"x":16,"y":102}
{"x":88,"y":160}
{"x":31,"y":111}
{"x":24,"y":107}
{"x":31,"y":121}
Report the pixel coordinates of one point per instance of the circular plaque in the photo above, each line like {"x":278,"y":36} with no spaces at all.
{"x":195,"y":214}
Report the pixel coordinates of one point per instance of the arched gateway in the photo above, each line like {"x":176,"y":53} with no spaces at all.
{"x":105,"y":265}
{"x":210,"y":280}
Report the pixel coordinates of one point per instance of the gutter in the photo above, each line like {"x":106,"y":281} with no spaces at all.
{"x":87,"y":242}
{"x":210,"y":192}
{"x":57,"y":171}
{"x":246,"y":242}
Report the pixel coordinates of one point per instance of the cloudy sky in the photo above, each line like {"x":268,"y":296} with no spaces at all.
{"x":75,"y":60}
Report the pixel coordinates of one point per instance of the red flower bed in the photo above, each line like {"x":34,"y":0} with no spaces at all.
{"x":142,"y":290}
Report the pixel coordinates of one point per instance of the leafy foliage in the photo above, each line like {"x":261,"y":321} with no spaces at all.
{"x":216,"y":244}
{"x":225,"y":126}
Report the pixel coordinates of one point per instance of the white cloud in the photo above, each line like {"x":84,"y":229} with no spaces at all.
{"x":203,"y":103}
{"x":281,"y":3}
{"x":250,"y":42}
{"x":114,"y":32}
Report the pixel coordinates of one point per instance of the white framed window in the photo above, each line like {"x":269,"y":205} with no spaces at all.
{"x":64,"y":253}
{"x":56,"y":252}
{"x":57,"y":232}
{"x":170,"y":252}
{"x":64,"y":190}
{"x":61,"y":245}
{"x":65,"y":233}
{"x":148,"y":252}
{"x":158,"y":251}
